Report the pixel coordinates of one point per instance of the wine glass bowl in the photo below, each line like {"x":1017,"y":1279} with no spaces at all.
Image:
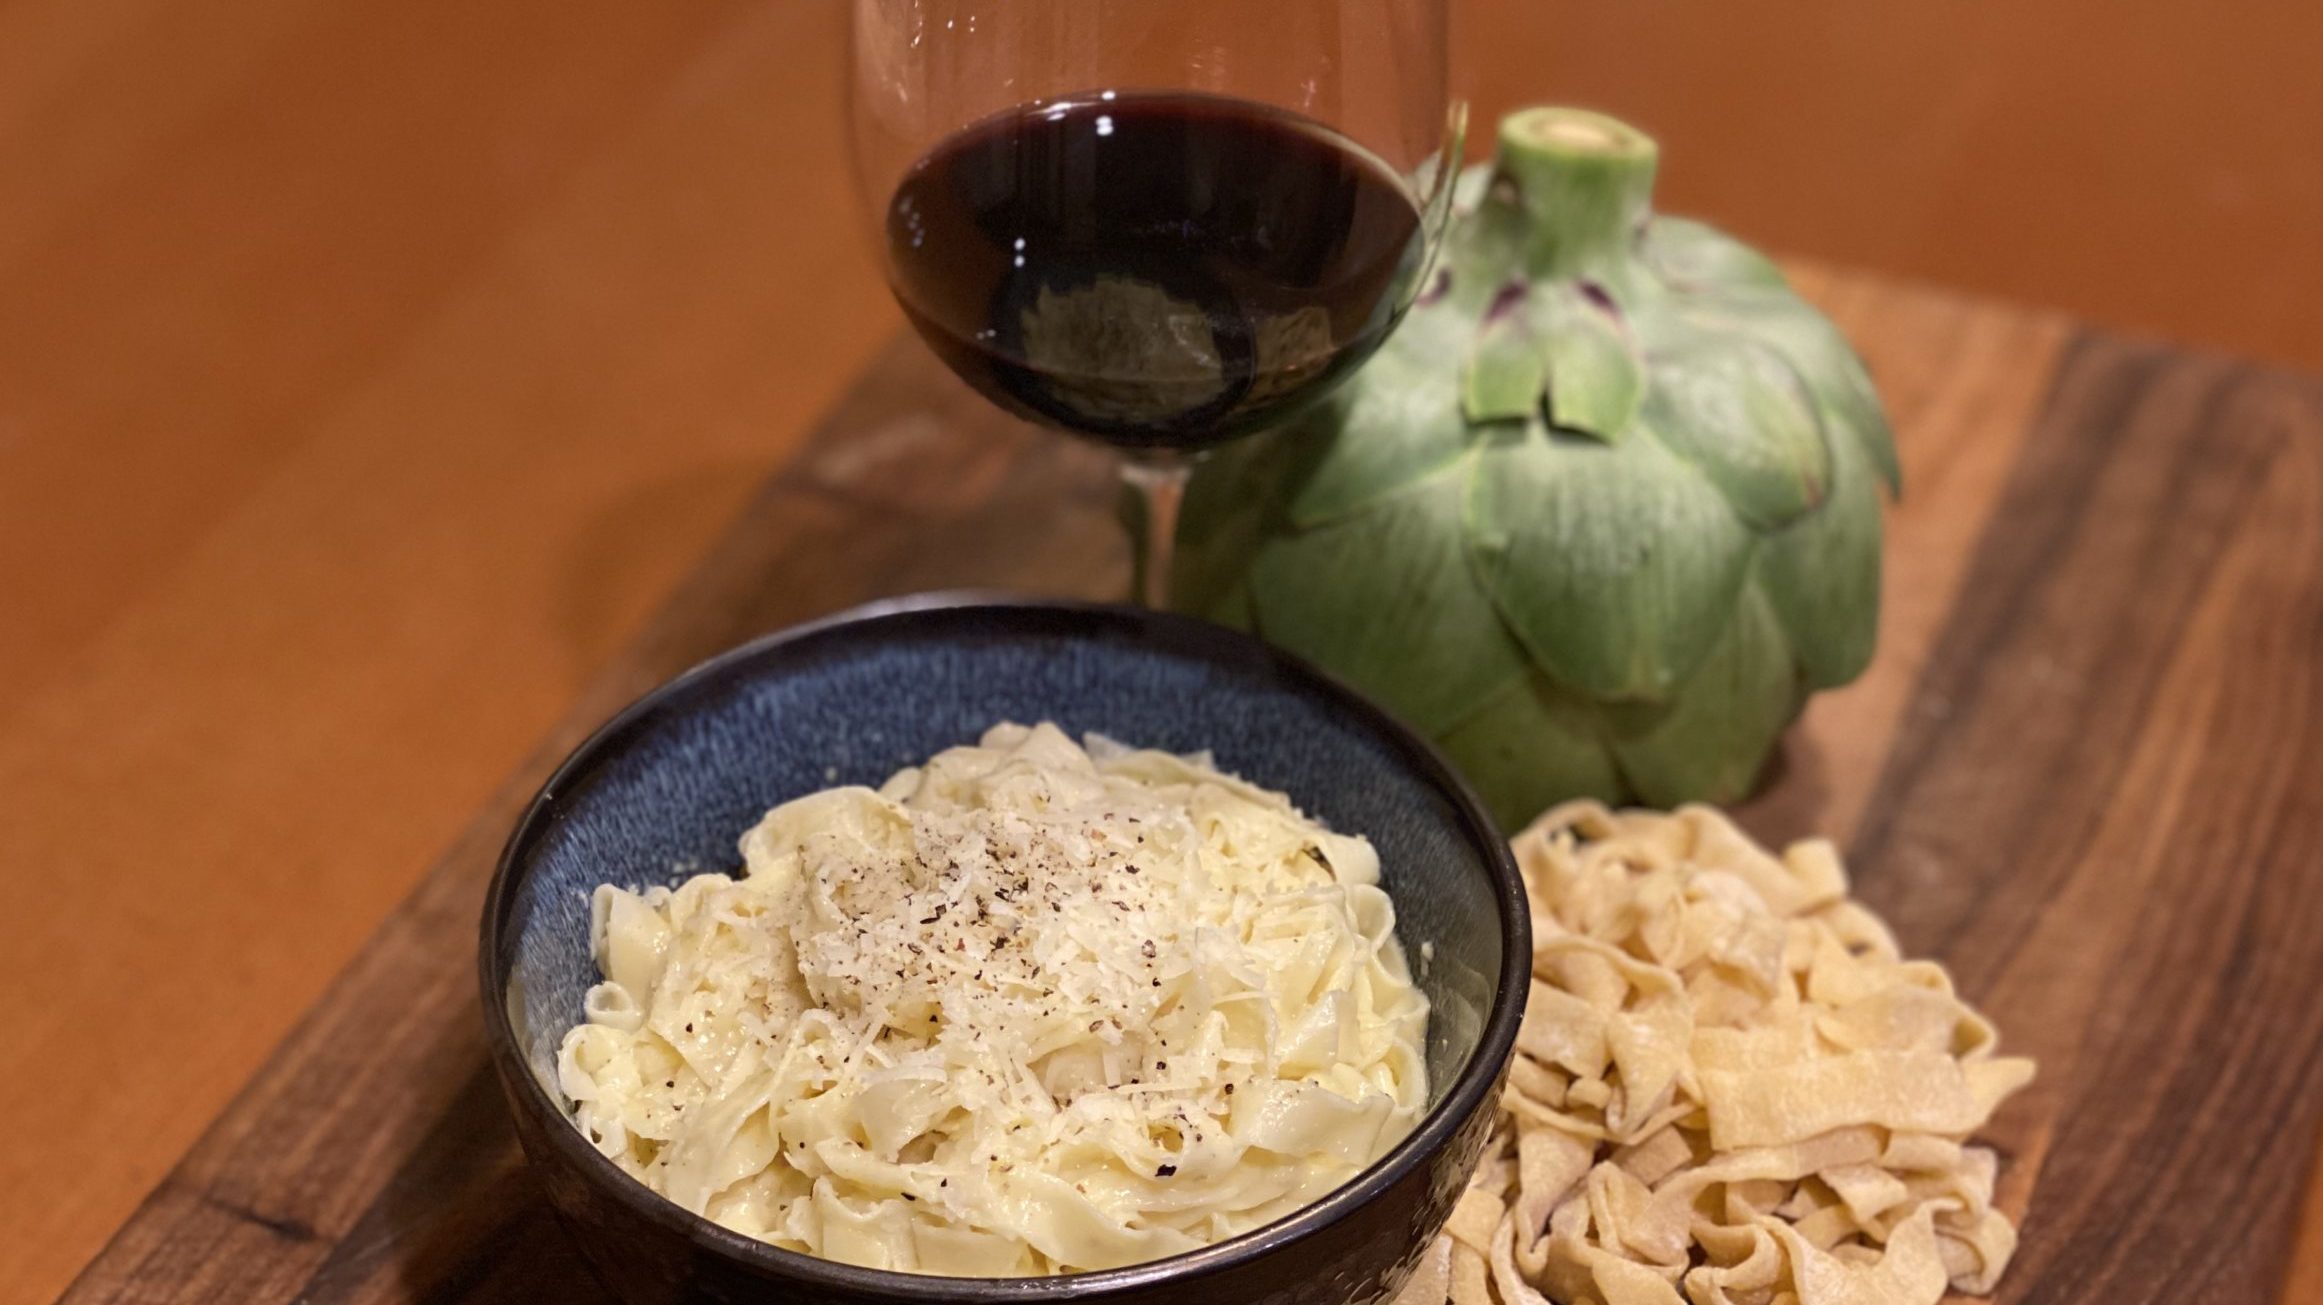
{"x":1162,"y":227}
{"x":1155,"y":269}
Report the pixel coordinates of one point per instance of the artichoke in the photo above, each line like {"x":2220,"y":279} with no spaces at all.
{"x":1600,"y":515}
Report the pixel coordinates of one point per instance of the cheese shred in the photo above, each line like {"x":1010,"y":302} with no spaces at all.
{"x":1031,"y":1008}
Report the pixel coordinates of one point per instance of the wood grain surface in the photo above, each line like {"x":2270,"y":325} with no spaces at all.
{"x":370,"y":374}
{"x":2083,"y":773}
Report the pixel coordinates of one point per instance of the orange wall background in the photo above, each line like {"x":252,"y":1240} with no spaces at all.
{"x":2155,"y":165}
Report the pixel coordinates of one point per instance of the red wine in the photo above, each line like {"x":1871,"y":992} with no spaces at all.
{"x":1152,"y":269}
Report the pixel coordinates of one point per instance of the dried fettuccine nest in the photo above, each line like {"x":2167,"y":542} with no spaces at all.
{"x":1729,"y":1089}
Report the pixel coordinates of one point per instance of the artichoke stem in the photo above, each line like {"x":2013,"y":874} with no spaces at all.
{"x":1585,"y":182}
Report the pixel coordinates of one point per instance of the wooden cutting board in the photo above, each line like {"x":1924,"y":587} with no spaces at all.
{"x":2086,"y":771}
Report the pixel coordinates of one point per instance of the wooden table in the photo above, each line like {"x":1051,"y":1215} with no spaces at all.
{"x":2086,"y":770}
{"x":370,"y":373}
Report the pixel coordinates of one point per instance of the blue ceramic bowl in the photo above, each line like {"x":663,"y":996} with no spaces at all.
{"x":666,"y":789}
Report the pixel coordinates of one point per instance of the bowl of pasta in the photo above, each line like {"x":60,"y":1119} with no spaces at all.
{"x":970,"y":948}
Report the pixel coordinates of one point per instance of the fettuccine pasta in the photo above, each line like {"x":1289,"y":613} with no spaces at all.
{"x":1028,"y":1009}
{"x":1729,"y":1089}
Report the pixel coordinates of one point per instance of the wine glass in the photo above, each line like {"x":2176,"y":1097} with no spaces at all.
{"x":1158,"y":224}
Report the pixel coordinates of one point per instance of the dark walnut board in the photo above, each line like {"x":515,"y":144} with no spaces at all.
{"x":2087,"y":772}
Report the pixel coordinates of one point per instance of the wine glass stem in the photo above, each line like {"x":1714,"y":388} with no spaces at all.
{"x":1159,"y":479}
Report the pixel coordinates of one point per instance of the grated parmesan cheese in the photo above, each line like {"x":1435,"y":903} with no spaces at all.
{"x":1028,"y":1008}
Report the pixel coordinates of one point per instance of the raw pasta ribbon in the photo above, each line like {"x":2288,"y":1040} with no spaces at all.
{"x":1730,"y":1088}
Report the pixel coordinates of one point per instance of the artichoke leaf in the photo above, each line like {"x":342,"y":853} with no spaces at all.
{"x":1508,"y":367}
{"x":1737,"y":410}
{"x":1695,"y":257}
{"x":1616,"y":566}
{"x":1596,"y":378}
{"x":1394,"y":423}
{"x":1822,"y":574}
{"x":1420,"y":633}
{"x":1814,"y":345}
{"x":1714,"y":738}
{"x":1529,"y":746}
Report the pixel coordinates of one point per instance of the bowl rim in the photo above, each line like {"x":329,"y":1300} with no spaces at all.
{"x":1471,"y":1090}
